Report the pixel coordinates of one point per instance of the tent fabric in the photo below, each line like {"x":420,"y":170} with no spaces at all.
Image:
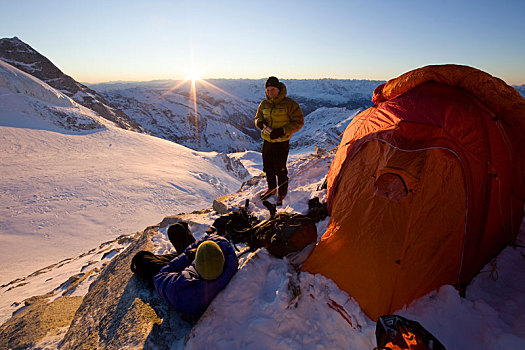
{"x":424,"y":189}
{"x":502,"y":100}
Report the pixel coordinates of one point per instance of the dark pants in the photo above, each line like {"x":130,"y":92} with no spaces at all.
{"x":275,"y":155}
{"x":146,"y":264}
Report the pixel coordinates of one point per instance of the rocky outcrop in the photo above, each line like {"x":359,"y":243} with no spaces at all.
{"x":24,"y":57}
{"x":121,"y":310}
{"x":220,"y":204}
{"x":234,"y":166}
{"x":38,"y":319}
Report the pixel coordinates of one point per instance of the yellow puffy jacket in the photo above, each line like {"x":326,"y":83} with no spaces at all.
{"x":280,"y":112}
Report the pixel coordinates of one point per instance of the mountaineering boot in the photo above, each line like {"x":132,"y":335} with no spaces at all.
{"x":268,"y":193}
{"x":280,"y":200}
{"x":180,"y":236}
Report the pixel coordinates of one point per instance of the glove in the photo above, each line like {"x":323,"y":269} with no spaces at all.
{"x":276,"y":133}
{"x":190,"y":253}
{"x":260,"y":124}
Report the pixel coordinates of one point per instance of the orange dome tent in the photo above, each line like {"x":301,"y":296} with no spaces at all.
{"x":426,"y":187}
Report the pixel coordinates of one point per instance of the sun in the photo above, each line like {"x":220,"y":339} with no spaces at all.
{"x":193,"y":75}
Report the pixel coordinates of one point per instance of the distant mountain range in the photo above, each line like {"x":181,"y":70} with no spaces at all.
{"x":225,"y":107}
{"x":218,"y":116}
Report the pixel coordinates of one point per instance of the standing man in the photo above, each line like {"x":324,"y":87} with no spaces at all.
{"x":278,"y":117}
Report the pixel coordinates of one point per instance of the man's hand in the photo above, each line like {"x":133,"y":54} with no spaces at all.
{"x":190,"y":253}
{"x":276,"y":133}
{"x":260,"y":124}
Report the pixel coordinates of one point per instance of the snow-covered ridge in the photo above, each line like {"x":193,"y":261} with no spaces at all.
{"x":323,"y":128}
{"x":22,"y":56}
{"x":17,"y":82}
{"x":29,"y":102}
{"x":252,"y":90}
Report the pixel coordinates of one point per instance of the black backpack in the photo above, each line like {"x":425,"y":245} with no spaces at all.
{"x":395,"y":332}
{"x":282,"y":234}
{"x":235,"y":225}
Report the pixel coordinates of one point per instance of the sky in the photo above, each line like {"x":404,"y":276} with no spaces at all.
{"x":99,"y":41}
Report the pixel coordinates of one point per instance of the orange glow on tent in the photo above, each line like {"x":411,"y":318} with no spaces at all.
{"x":426,"y":187}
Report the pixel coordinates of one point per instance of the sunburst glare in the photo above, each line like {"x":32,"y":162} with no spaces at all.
{"x":193,"y":75}
{"x":193,"y":78}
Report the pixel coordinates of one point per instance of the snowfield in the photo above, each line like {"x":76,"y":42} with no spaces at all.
{"x":64,"y":191}
{"x":68,"y":194}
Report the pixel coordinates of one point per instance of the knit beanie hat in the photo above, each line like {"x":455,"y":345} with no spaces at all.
{"x":209,"y":260}
{"x":273,"y":81}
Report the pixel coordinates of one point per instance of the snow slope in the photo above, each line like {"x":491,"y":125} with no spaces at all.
{"x":267,"y":305}
{"x":322,"y":128}
{"x":64,"y":190}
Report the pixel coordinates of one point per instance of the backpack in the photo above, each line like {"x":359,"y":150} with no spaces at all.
{"x":284,"y":233}
{"x":317,"y":211}
{"x":395,"y":332}
{"x":235,"y":225}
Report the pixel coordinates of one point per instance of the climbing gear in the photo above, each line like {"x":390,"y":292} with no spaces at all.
{"x":268,"y":193}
